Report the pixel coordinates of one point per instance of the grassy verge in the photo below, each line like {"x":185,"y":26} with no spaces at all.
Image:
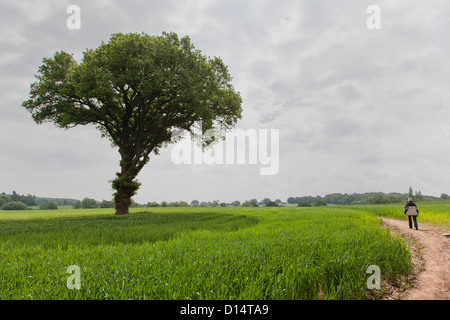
{"x":437,"y":212}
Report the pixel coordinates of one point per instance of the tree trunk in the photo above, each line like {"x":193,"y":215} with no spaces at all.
{"x":125,"y":185}
{"x":122,"y":202}
{"x":126,"y":188}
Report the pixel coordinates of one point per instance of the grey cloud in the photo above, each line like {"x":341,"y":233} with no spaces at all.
{"x":348,"y":92}
{"x":343,"y":97}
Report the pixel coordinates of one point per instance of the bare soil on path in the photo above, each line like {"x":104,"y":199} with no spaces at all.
{"x":431,"y":258}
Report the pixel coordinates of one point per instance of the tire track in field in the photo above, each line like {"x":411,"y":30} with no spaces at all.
{"x":433,"y":283}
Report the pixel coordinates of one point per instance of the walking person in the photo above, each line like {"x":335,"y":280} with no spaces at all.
{"x":412,"y":212}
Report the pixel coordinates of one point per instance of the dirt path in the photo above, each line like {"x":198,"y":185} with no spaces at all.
{"x":432,"y":283}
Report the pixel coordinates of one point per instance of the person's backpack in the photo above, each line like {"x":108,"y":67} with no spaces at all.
{"x":412,"y":211}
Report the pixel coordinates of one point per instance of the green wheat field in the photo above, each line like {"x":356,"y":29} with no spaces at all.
{"x":218,"y":253}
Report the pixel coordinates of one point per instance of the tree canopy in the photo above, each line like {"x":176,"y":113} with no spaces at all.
{"x":137,"y":89}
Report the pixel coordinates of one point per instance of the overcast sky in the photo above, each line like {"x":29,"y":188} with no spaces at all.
{"x":357,"y":109}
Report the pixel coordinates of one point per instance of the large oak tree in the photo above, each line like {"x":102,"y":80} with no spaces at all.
{"x":137,"y":89}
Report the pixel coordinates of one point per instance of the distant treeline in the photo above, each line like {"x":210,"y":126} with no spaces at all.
{"x":31,"y":200}
{"x":366,"y":198}
{"x":333,"y":198}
